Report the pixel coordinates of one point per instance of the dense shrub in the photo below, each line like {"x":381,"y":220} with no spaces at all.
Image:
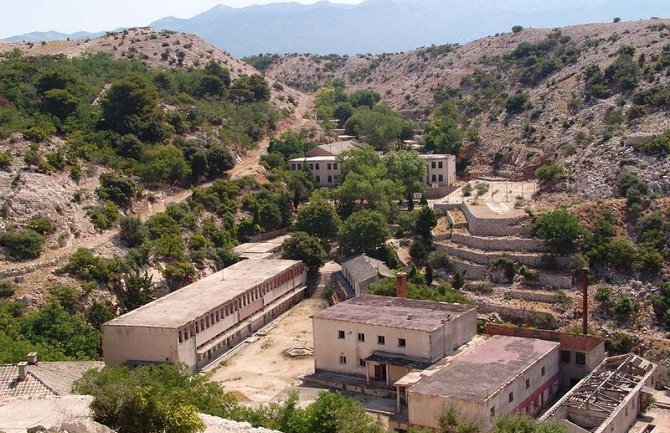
{"x":549,"y":173}
{"x":22,"y":245}
{"x":84,"y":265}
{"x":560,"y":229}
{"x":41,"y":225}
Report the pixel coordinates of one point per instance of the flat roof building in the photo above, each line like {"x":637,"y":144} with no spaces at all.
{"x":500,"y":376}
{"x":376,"y":340}
{"x":197,"y":323}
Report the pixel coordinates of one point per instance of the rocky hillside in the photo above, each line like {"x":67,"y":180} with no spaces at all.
{"x":563,"y":120}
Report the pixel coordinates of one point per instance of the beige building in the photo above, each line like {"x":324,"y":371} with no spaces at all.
{"x":500,"y":376}
{"x":380,"y":339}
{"x":360,"y":271}
{"x":609,"y":399}
{"x":441,"y":170}
{"x":198,"y":323}
{"x":325,"y":170}
{"x":321,"y":162}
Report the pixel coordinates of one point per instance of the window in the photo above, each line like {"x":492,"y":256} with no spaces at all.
{"x":565,"y":356}
{"x":293,"y":166}
{"x":343,"y":359}
{"x":381,"y":339}
{"x":580,"y":358}
{"x":318,"y":179}
{"x":440,"y":178}
{"x":493,"y":412}
{"x":330,"y":179}
{"x":299,"y":166}
{"x":439,"y":165}
{"x":340,"y":335}
{"x":361,"y":336}
{"x":402,"y":342}
{"x":330,"y":166}
{"x":433,"y":178}
{"x":543,"y":370}
{"x":432,"y":164}
{"x":317,"y":166}
{"x":511,"y":396}
{"x":527,"y":383}
{"x":361,"y":362}
{"x":334,"y":166}
{"x":180,"y":337}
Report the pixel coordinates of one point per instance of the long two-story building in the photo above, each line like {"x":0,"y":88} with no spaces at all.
{"x":200,"y":322}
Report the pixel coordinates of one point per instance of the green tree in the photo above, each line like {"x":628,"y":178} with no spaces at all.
{"x":118,"y":188}
{"x":59,"y":103}
{"x":99,"y":313}
{"x":318,"y":219}
{"x":131,"y":106}
{"x":518,"y":103}
{"x":425,"y":222}
{"x":177,"y":275}
{"x":66,"y":296}
{"x":549,"y":173}
{"x":407,"y":168}
{"x":442,"y":134}
{"x":560,"y":229}
{"x":308,"y":249}
{"x":521,"y":424}
{"x":247,"y":89}
{"x":138,"y":290}
{"x":363,"y":232}
{"x":364,"y":98}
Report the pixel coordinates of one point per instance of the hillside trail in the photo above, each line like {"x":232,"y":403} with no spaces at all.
{"x":247,"y":165}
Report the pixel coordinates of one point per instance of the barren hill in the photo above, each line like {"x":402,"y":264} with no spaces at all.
{"x":562,"y":122}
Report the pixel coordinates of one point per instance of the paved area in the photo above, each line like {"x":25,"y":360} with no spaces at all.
{"x":497,"y":192}
{"x":260,"y":368}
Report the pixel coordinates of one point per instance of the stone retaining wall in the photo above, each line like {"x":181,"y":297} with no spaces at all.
{"x":532,"y":260}
{"x":547,"y":298}
{"x":499,"y":227}
{"x":520,"y":316}
{"x":452,"y":221}
{"x":549,"y":280}
{"x":470,"y":271}
{"x":499,"y":243}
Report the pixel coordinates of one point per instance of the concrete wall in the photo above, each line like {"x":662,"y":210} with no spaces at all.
{"x":328,"y":347}
{"x":493,"y":226}
{"x":122,"y":344}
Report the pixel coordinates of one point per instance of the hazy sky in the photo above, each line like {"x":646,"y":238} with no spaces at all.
{"x":68,"y":16}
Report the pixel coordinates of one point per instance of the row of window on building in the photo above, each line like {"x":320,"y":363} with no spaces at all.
{"x":317,"y":166}
{"x":439,"y":164}
{"x":566,"y":357}
{"x":381,"y":340}
{"x":215,"y":316}
{"x":439,"y":178}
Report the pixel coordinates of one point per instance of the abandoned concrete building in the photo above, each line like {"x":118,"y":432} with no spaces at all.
{"x":322,"y":163}
{"x":198,"y":323}
{"x":360,"y":271}
{"x":428,"y":356}
{"x":609,"y":399}
{"x":376,"y":340}
{"x":525,"y":379}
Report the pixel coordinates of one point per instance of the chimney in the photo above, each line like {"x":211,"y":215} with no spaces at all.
{"x":23,"y":371}
{"x":401,"y":285}
{"x":585,"y":301}
{"x":32,"y":358}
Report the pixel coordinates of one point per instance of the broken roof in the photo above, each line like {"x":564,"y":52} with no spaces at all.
{"x":334,"y":148}
{"x":479,"y":374}
{"x":395,"y":312}
{"x":606,"y":389}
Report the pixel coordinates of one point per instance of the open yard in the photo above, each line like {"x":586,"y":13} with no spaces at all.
{"x":260,"y":369}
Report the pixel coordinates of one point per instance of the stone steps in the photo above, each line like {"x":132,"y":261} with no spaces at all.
{"x":485,"y":257}
{"x":503,"y":243}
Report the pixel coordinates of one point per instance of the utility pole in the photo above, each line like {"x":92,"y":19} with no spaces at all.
{"x":585,"y":300}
